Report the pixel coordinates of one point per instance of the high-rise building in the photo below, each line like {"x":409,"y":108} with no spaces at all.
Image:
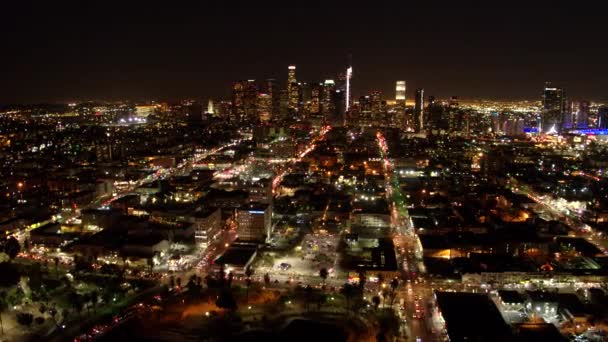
{"x":338,"y":99}
{"x":250,"y":100}
{"x":238,"y":99}
{"x":376,"y":99}
{"x":316,"y":93}
{"x":365,"y":110}
{"x":419,"y":108}
{"x":349,"y":75}
{"x":272,"y":89}
{"x":264,"y":107}
{"x":554,"y":103}
{"x":210,"y":108}
{"x":253,"y":222}
{"x":602,"y":117}
{"x":292,"y":87}
{"x":400,"y":91}
{"x":327,"y":105}
{"x":582,"y":115}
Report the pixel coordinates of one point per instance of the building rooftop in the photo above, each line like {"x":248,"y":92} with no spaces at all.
{"x":472,"y":317}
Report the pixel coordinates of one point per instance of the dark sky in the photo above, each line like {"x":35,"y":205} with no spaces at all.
{"x":59,"y":51}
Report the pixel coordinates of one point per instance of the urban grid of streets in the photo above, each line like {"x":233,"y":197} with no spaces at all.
{"x":414,"y":296}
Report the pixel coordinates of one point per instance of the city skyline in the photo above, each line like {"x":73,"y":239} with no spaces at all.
{"x":144,"y":53}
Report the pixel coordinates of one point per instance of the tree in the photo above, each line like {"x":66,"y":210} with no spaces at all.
{"x":56,"y":261}
{"x":94,"y":299}
{"x":12,"y":247}
{"x":266,"y":279}
{"x":323,"y":273}
{"x":3,"y":306}
{"x":25,"y":319}
{"x":376,"y":302}
{"x":172,"y":281}
{"x":394,"y":286}
{"x":348,"y":291}
{"x":362,"y":279}
{"x":226,"y":300}
{"x":10,"y":276}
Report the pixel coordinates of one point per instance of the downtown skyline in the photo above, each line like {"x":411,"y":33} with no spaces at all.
{"x":142,"y":53}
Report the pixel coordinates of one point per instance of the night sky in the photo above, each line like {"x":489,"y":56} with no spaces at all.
{"x":54,"y":51}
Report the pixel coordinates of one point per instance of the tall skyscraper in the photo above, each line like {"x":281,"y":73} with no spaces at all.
{"x":349,"y":75}
{"x":582,"y":115}
{"x":238,"y":98}
{"x":419,"y":108}
{"x":250,"y":100}
{"x":554,"y":103}
{"x":376,"y":99}
{"x":338,"y":105}
{"x":292,"y":87}
{"x":399,"y":118}
{"x":400,"y":91}
{"x":327,"y":109}
{"x":264,"y":107}
{"x":602,"y":117}
{"x":272,"y":89}
{"x":210,"y":108}
{"x":316,"y":94}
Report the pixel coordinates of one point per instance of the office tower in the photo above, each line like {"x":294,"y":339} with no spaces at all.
{"x":250,"y":100}
{"x":253,"y":222}
{"x":376,"y":100}
{"x":329,"y":86}
{"x":264,"y":107}
{"x":602,"y":117}
{"x":272,"y":89}
{"x":338,"y":99}
{"x":582,"y":115}
{"x":292,"y":87}
{"x":210,"y":108}
{"x":554,"y":102}
{"x":569,"y":115}
{"x":419,"y":108}
{"x":400,"y":92}
{"x":365,"y":110}
{"x":349,"y":75}
{"x":455,"y":116}
{"x":436,"y":112}
{"x":316,"y":93}
{"x":238,"y":98}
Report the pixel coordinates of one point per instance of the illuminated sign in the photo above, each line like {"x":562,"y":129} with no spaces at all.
{"x":256,"y":212}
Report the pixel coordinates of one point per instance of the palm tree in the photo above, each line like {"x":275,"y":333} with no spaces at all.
{"x":323,"y":273}
{"x":3,"y":306}
{"x":56,"y":261}
{"x":94,"y":298}
{"x":394,"y":285}
{"x":348,"y":291}
{"x":376,"y":302}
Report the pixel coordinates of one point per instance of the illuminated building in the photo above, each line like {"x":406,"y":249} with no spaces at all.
{"x":238,"y":99}
{"x":582,"y":115}
{"x":419,"y":108}
{"x":250,"y":100}
{"x":253,"y":222}
{"x":365,"y":110}
{"x":207,"y":225}
{"x":144,"y":111}
{"x":264,"y":107}
{"x":316,"y":92}
{"x":349,"y":74}
{"x":272,"y":89}
{"x":338,"y":105}
{"x":376,"y":103}
{"x":327,"y":105}
{"x":210,"y":108}
{"x":554,"y":102}
{"x":602,"y":117}
{"x":292,"y":87}
{"x":400,"y":92}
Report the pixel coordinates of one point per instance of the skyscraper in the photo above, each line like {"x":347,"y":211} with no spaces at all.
{"x":349,"y":75}
{"x":264,"y":107}
{"x":329,"y":86}
{"x":250,"y":100}
{"x":400,"y":91}
{"x":292,"y":87}
{"x":210,"y":108}
{"x":238,"y":97}
{"x":582,"y":115}
{"x":419,"y":108}
{"x":272,"y":89}
{"x":376,"y":100}
{"x":554,"y":103}
{"x":602,"y":117}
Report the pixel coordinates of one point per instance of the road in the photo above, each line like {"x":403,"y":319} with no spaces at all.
{"x":415,"y":292}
